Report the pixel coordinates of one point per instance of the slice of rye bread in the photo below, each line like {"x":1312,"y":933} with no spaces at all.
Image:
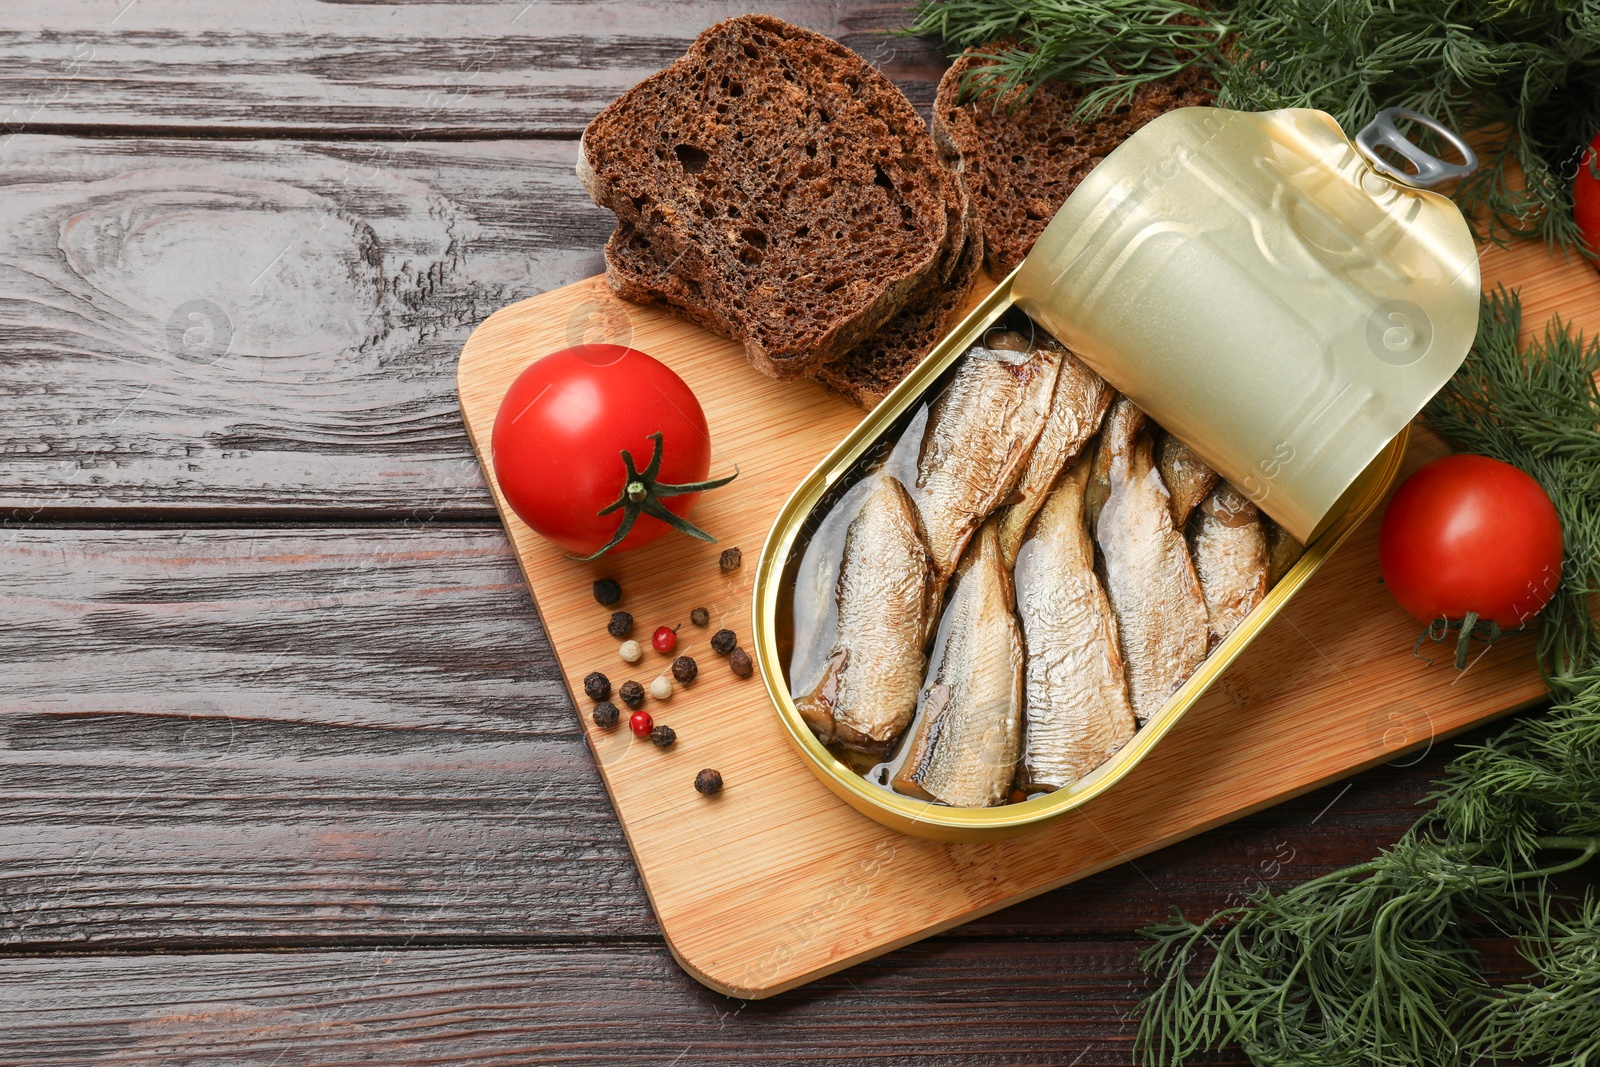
{"x":1020,"y":165}
{"x":795,"y":191}
{"x":868,"y":371}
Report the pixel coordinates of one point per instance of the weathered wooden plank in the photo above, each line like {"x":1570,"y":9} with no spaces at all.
{"x":274,"y":326}
{"x":263,"y":325}
{"x":514,"y":67}
{"x":931,"y":1004}
{"x":286,"y":736}
{"x":282,"y":735}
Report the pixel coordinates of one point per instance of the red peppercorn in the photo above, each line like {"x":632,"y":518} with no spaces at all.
{"x":665,"y":639}
{"x":641,"y":723}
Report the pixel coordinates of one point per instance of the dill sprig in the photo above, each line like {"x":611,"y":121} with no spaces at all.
{"x":1374,"y":965}
{"x":1525,"y":68}
{"x":1555,"y":1019}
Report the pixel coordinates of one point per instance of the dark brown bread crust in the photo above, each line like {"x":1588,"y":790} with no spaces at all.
{"x":1020,"y":165}
{"x":867,"y":372}
{"x":792,"y":188}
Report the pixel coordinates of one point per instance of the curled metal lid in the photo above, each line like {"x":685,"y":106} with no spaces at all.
{"x":1262,"y":288}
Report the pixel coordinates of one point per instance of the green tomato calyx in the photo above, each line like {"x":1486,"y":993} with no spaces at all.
{"x":642,"y":494}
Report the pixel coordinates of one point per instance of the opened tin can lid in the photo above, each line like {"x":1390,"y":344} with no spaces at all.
{"x":1264,"y":292}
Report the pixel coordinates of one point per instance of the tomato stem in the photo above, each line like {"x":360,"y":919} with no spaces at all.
{"x":642,"y":495}
{"x":1470,"y":626}
{"x":1468,"y":623}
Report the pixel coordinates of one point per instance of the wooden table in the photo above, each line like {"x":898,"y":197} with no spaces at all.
{"x":287,"y":775}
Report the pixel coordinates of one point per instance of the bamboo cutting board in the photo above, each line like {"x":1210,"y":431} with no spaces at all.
{"x":776,"y":882}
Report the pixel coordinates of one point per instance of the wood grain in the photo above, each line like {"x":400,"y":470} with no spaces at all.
{"x":776,"y":882}
{"x":261,"y":325}
{"x":935,"y":1004}
{"x":512,"y":68}
{"x":281,"y":736}
{"x":243,"y":736}
{"x":346,"y":276}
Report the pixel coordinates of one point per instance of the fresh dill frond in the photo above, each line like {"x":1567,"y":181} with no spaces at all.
{"x":1371,"y":966}
{"x":1555,"y":1019}
{"x":1109,"y":47}
{"x":1539,"y":778}
{"x":1529,"y":68}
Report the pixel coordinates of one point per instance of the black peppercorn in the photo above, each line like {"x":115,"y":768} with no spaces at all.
{"x":708,"y":782}
{"x":597,"y":685}
{"x":684,"y":670}
{"x":731,"y":560}
{"x":632,"y":693}
{"x":608,"y":591}
{"x":621,"y":624}
{"x":739,"y":660}
{"x":699,"y":616}
{"x":605,"y":714}
{"x":724,"y":641}
{"x":664,"y":736}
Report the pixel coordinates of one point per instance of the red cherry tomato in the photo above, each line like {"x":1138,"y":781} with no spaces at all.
{"x":665,"y":639}
{"x":1470,"y":534}
{"x":561,"y":431}
{"x":641,"y":723}
{"x":1586,"y":196}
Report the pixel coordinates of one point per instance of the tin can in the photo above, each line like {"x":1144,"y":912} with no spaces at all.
{"x":1297,"y":406}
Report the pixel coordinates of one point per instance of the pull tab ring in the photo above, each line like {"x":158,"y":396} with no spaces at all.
{"x":1431,"y":170}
